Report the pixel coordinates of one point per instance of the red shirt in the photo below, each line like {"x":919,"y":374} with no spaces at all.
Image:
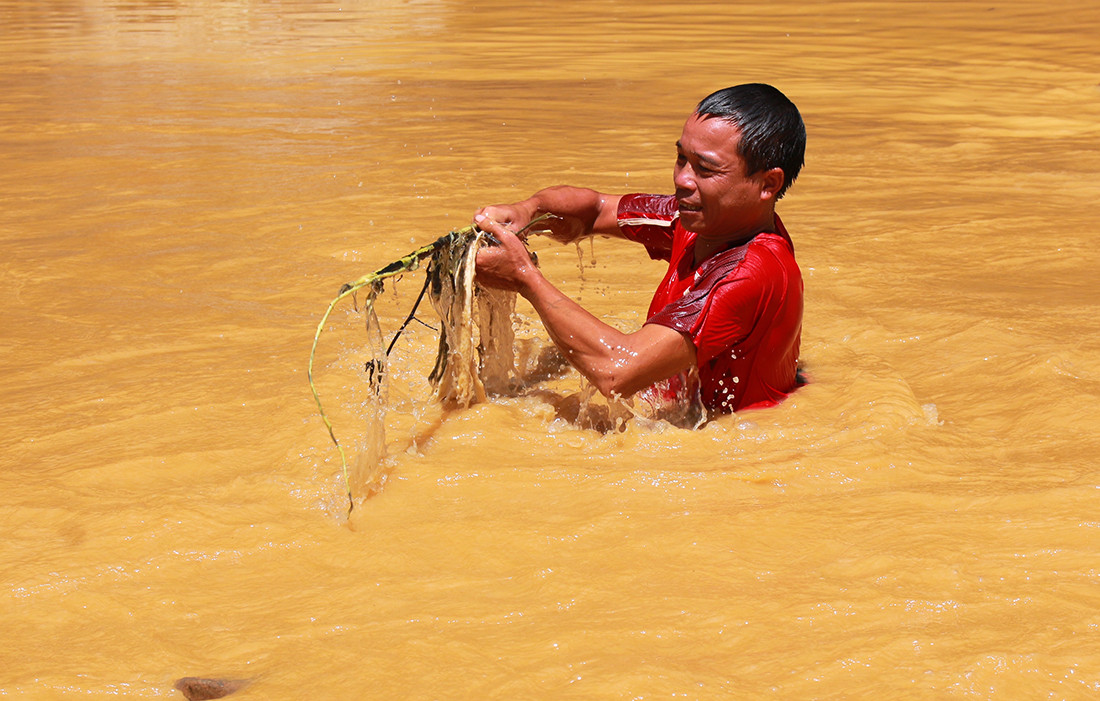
{"x":742,"y":307}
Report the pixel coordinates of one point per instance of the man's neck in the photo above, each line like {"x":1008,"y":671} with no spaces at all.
{"x":705,"y":246}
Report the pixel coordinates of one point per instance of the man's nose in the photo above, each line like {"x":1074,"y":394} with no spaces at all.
{"x":683,"y":179}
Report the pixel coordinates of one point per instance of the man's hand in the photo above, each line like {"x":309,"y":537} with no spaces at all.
{"x":514,"y":217}
{"x":507,"y":265}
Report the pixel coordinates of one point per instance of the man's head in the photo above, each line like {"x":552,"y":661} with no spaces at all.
{"x":772,"y":132}
{"x":739,"y":151}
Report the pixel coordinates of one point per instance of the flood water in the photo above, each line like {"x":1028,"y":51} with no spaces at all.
{"x":184,"y":186}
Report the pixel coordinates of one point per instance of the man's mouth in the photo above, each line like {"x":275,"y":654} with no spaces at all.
{"x":686,"y":207}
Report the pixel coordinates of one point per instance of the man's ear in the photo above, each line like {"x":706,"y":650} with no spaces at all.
{"x":771,"y":182}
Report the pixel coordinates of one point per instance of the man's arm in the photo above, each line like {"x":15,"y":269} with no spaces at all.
{"x":615,"y":362}
{"x":580,"y":211}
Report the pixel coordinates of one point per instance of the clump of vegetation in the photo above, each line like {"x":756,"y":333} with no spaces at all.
{"x":475,"y":349}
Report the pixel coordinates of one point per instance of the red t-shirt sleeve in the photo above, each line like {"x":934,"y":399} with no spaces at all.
{"x":649,"y":220}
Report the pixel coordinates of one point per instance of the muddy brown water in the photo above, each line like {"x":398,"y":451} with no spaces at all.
{"x":185,"y":185}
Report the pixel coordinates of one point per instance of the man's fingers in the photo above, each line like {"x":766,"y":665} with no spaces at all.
{"x":495,"y":229}
{"x":498,"y":219}
{"x":488,"y":224}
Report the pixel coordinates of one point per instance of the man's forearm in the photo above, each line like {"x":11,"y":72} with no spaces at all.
{"x":613,"y":361}
{"x":582,"y":211}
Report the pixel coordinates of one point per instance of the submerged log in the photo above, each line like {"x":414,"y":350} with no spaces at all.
{"x":199,"y":689}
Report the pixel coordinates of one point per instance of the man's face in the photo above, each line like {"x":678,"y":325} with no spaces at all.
{"x":716,"y":198}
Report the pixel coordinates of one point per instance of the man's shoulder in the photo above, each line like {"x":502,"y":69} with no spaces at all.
{"x":752,"y":268}
{"x":641,"y":209}
{"x":769,"y":251}
{"x":651,"y":221}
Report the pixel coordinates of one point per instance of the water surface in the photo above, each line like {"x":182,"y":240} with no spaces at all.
{"x":185,"y":185}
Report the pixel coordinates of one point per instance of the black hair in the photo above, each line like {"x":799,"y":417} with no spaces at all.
{"x":772,"y":132}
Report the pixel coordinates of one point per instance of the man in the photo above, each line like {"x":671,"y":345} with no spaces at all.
{"x":725,"y":322}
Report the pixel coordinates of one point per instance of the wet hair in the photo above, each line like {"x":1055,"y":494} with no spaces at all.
{"x":772,"y":132}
